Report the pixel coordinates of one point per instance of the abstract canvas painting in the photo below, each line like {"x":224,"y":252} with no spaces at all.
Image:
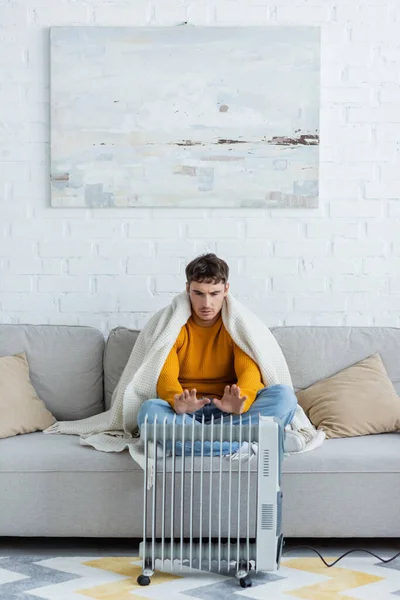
{"x":185,"y":116}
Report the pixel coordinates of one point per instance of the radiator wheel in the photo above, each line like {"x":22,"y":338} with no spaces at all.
{"x":143,"y":580}
{"x":245,"y":582}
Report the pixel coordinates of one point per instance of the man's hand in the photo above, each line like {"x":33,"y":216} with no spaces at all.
{"x":187,"y":402}
{"x":231,"y":402}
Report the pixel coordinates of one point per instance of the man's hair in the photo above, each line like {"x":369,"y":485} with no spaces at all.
{"x":208,"y":268}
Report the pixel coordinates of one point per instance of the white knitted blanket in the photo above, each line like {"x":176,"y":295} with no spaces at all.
{"x":116,"y":429}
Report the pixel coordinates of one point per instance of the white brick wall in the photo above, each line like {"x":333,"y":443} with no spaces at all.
{"x":338,"y":264}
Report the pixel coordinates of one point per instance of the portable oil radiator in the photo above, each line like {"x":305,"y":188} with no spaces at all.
{"x":212,"y":512}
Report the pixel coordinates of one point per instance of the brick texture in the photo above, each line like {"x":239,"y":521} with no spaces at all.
{"x":338,"y":264}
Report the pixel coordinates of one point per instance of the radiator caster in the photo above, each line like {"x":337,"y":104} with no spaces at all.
{"x":245,"y":582}
{"x":143,"y":580}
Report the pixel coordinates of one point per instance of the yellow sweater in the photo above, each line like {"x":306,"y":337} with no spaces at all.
{"x":206,"y":358}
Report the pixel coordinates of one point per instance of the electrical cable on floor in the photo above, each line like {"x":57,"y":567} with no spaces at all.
{"x":343,"y":555}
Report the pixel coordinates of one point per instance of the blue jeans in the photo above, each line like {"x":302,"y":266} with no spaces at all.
{"x":275,"y":401}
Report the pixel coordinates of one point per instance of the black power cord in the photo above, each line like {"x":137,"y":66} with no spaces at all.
{"x":343,"y":555}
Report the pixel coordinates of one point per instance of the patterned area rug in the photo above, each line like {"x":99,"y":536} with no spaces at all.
{"x":114,"y":578}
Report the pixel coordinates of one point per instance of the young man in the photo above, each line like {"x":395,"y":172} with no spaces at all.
{"x":206,"y":373}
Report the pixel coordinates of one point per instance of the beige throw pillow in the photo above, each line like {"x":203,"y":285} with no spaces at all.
{"x":21,"y":411}
{"x":359,"y":400}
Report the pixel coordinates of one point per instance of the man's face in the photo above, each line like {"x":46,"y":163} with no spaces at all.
{"x":206,"y":300}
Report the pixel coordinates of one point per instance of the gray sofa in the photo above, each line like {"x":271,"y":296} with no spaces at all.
{"x":50,"y":485}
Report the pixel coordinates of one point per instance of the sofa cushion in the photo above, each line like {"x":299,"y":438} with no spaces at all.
{"x":42,"y":453}
{"x":314,"y":353}
{"x":118,"y":349}
{"x":348,"y":487}
{"x":66,"y":365}
{"x":21,"y":410}
{"x":363,"y":454}
{"x":359,"y":400}
{"x":53,"y":486}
